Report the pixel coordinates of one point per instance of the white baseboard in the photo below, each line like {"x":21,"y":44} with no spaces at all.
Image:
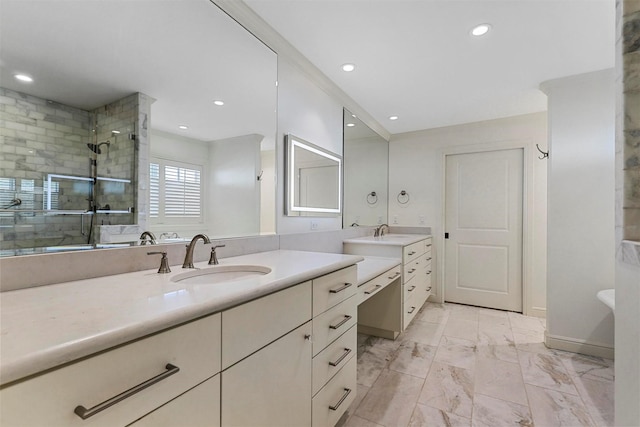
{"x":578,"y":346}
{"x":537,"y":312}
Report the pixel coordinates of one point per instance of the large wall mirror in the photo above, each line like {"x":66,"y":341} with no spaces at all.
{"x":366,"y":174}
{"x":160,"y":114}
{"x":313,"y":179}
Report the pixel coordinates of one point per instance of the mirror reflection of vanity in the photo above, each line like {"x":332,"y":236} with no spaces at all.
{"x":122,"y":86}
{"x":366,"y":168}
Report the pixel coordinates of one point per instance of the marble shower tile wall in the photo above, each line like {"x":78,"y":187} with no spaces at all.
{"x":628,"y":135}
{"x":41,"y":137}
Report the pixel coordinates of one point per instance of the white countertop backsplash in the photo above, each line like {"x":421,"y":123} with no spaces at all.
{"x":47,"y":326}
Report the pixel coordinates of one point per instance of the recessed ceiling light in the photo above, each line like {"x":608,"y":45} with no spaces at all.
{"x":348,"y":67}
{"x":354,"y":116}
{"x":393,"y":117}
{"x":23,"y":78}
{"x":115,"y":132}
{"x":480,"y":30}
{"x":218,"y":102}
{"x":183,"y":127}
{"x":351,"y":125}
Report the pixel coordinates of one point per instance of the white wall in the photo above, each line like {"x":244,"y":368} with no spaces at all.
{"x":581,"y":224}
{"x":416,"y":166}
{"x":233,"y":207}
{"x":307,"y":112}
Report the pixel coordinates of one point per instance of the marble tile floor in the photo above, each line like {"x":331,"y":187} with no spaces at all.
{"x":459,"y":365}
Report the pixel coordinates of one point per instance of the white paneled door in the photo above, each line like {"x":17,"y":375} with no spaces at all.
{"x":483,"y":226}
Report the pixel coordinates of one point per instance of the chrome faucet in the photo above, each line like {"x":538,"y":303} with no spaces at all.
{"x":151,"y":238}
{"x":380,"y":230}
{"x":188,"y":258}
{"x":213,"y":259}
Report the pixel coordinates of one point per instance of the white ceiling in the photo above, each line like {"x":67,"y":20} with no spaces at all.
{"x":416,"y":59}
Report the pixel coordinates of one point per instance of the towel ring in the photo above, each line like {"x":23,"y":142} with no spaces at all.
{"x":372,"y":198}
{"x":403,"y":197}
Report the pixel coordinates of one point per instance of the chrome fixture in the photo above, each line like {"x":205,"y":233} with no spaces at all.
{"x":545,"y":154}
{"x":380,"y":230}
{"x":96,"y":147}
{"x":12,"y":203}
{"x":213,"y":259}
{"x":372,"y":198}
{"x":164,"y":262}
{"x":147,"y":237}
{"x":403,"y":197}
{"x":188,"y":258}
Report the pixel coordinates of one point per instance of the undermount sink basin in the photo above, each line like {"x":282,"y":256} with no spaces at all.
{"x":219,"y":274}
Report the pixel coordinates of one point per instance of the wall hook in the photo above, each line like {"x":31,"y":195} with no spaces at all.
{"x":544,"y":154}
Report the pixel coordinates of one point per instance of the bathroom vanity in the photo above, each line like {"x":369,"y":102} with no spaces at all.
{"x":402,"y":302}
{"x":155,"y":349}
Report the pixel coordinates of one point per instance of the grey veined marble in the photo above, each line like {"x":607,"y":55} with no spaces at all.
{"x":504,"y":376}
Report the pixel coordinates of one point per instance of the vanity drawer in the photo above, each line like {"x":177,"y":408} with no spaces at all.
{"x":179,"y":358}
{"x":412,"y":268}
{"x":335,"y":398}
{"x":330,"y":360}
{"x":197,"y":407}
{"x":411,"y":307}
{"x":250,"y":326}
{"x":333,"y":288}
{"x":410,"y":288}
{"x":370,"y":288}
{"x":328,"y":326}
{"x":428,"y":245}
{"x":412,"y":251}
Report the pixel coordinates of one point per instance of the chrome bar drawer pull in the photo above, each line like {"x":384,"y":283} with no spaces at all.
{"x":411,"y":289}
{"x":340,"y":289}
{"x":412,"y":310}
{"x":344,"y":396}
{"x":412,"y":253}
{"x":85,"y":413}
{"x":394,"y":276}
{"x":372,"y":290}
{"x":347,"y":351}
{"x":342,"y":322}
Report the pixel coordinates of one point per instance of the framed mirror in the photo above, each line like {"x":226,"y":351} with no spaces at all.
{"x":313,"y":179}
{"x":120,"y":91}
{"x":366,"y":170}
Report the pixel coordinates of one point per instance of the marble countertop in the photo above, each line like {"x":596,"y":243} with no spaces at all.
{"x":371,"y":267}
{"x":47,"y":326}
{"x":389,"y":239}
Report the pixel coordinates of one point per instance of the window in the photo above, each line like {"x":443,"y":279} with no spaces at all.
{"x":175,"y":192}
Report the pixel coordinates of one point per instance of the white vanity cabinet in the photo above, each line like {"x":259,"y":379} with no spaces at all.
{"x":266,"y":350}
{"x":283,"y":359}
{"x":416,"y":255}
{"x":177,"y":360}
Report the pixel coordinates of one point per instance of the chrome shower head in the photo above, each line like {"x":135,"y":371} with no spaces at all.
{"x":96,"y":147}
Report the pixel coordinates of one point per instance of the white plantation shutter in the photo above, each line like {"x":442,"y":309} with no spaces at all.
{"x":182,"y":192}
{"x":175,"y":192}
{"x":154,"y":190}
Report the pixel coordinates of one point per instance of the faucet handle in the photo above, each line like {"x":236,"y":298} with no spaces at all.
{"x":213,"y":259}
{"x":164,"y":262}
